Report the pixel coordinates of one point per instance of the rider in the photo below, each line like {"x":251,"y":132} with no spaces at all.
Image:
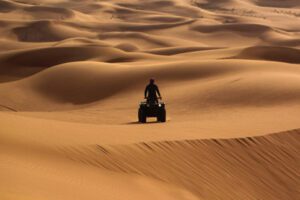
{"x":151,"y":92}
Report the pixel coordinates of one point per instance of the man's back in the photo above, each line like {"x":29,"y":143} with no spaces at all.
{"x":152,"y":90}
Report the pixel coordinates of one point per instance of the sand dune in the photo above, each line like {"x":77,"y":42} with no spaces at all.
{"x":72,"y":74}
{"x":88,"y":82}
{"x":242,"y":28}
{"x":167,"y":161}
{"x":7,"y":6}
{"x":226,"y":168}
{"x":178,"y":50}
{"x":281,"y":54}
{"x":51,"y":56}
{"x":46,"y":31}
{"x":49,"y":12}
{"x":280,"y":4}
{"x":61,"y":55}
{"x":149,"y":41}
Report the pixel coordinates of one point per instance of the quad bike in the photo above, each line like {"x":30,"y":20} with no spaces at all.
{"x":152,"y":109}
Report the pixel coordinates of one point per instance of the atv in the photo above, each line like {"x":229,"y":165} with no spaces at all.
{"x":152,"y":109}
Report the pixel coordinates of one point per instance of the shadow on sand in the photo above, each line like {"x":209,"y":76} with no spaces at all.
{"x":139,"y":123}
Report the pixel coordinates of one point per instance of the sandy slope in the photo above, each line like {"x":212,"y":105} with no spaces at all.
{"x":72,"y":74}
{"x":264,"y":167}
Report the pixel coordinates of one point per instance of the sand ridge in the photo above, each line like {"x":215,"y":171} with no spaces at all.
{"x":218,"y":168}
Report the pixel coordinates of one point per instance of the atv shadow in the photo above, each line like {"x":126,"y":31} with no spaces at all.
{"x":139,"y":123}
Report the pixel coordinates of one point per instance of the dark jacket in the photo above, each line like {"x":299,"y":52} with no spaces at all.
{"x":151,"y":91}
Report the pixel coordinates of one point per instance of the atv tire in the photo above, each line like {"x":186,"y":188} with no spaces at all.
{"x":142,"y":116}
{"x":162,"y":116}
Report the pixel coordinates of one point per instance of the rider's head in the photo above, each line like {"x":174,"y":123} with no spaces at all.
{"x":151,"y":80}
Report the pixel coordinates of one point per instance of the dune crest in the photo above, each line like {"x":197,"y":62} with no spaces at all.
{"x":226,"y":169}
{"x":218,"y":168}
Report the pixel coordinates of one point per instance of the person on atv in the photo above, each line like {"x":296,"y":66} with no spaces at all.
{"x":151,"y":92}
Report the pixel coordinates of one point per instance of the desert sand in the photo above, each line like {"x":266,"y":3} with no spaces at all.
{"x":72,"y":74}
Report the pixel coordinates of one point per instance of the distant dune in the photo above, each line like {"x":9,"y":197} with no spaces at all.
{"x":72,"y":74}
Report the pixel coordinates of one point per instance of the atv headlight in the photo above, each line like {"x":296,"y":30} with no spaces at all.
{"x":159,"y":105}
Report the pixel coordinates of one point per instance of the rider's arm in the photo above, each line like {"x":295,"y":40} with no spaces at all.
{"x":157,"y":90}
{"x":145,"y":93}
